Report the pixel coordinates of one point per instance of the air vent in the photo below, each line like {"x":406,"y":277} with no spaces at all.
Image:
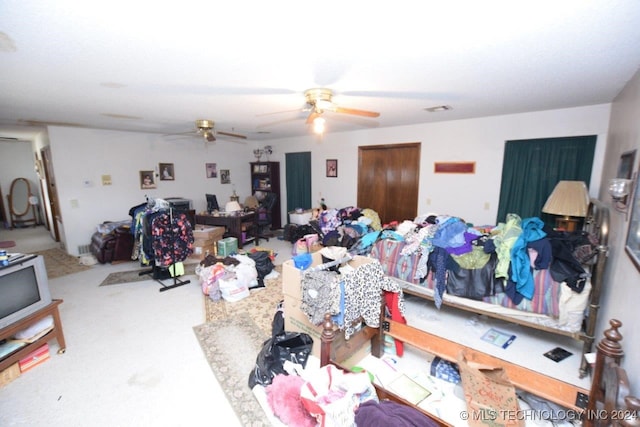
{"x":84,"y":249}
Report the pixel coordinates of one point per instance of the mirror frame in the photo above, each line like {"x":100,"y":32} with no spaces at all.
{"x":12,"y":191}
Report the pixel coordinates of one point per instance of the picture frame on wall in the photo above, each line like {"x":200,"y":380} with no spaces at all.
{"x":332,"y":168}
{"x":166,"y":172}
{"x":225,"y":176}
{"x":632,"y":245}
{"x":146,"y":180}
{"x":211,"y":170}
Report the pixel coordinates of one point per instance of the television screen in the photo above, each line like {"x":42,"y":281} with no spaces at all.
{"x":18,"y":290}
{"x":24,"y":289}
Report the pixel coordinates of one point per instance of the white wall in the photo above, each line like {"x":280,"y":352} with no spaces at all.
{"x":622,"y":291}
{"x":17,"y":161}
{"x":82,"y":156}
{"x":470,"y":196}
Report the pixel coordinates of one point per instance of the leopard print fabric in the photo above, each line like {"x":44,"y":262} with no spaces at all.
{"x":362,"y":296}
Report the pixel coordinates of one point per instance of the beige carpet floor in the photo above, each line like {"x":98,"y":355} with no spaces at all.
{"x":231,"y":346}
{"x":59,"y":263}
{"x":231,"y":338}
{"x":260,"y":305}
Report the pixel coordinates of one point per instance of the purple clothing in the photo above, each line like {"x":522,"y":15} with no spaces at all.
{"x":466,"y":247}
{"x":387,"y":413}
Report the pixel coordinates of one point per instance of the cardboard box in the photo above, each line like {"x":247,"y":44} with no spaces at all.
{"x":206,"y":242}
{"x":227,"y":246}
{"x":295,"y":320}
{"x":35,"y":358}
{"x":9,"y":374}
{"x":291,"y":275}
{"x":206,"y":232}
{"x":201,"y":252}
{"x":300,"y":218}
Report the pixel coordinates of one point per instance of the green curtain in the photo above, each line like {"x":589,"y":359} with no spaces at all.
{"x":298,"y":166}
{"x":532,"y":167}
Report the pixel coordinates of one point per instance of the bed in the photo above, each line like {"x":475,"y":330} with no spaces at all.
{"x":608,"y":401}
{"x":554,"y":306}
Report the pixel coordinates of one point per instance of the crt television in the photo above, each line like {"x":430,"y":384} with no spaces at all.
{"x":24,"y":288}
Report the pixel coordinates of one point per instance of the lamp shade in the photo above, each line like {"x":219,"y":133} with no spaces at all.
{"x":569,"y":198}
{"x":232,"y":206}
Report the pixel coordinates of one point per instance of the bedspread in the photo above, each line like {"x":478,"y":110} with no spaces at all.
{"x":550,"y":298}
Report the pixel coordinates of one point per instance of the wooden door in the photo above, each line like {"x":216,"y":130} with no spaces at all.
{"x":388,"y":180}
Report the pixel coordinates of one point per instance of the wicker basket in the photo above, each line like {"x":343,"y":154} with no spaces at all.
{"x":9,"y":374}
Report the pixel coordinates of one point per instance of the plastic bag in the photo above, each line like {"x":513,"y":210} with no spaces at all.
{"x":292,"y":346}
{"x":264,"y":265}
{"x":232,"y":289}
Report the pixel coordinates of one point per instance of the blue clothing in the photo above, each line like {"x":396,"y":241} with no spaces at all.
{"x":520,"y":264}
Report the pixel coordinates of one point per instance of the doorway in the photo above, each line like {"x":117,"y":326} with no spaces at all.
{"x":388,"y":180}
{"x":298,"y":180}
{"x":51,"y":205}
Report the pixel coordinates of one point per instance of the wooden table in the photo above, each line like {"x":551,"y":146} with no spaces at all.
{"x":233,"y":224}
{"x":56,"y":332}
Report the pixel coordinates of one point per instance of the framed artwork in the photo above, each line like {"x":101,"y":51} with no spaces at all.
{"x":632,"y":245}
{"x":454,"y":167}
{"x":166,"y":172}
{"x":225,"y":176}
{"x":146,"y":180}
{"x":332,"y":168}
{"x":211,"y":169}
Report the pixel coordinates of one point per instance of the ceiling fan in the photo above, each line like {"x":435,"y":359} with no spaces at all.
{"x":319,"y":100}
{"x":207,"y":130}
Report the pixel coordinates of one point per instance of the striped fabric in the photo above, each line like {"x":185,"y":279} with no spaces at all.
{"x":546,"y":293}
{"x":394,"y":264}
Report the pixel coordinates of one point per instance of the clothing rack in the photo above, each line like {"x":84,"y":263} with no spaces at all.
{"x":156,"y":270}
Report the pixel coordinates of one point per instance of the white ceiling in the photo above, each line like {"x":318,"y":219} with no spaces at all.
{"x":138,"y":66}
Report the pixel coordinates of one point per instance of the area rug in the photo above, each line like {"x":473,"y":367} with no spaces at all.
{"x":122,"y":277}
{"x":261,"y":305}
{"x":59,"y":263}
{"x":231,"y":346}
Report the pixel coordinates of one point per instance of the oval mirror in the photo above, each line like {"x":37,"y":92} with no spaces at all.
{"x":19,"y":197}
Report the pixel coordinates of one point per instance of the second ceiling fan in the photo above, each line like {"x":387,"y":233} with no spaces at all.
{"x":320,"y":100}
{"x":206,"y":128}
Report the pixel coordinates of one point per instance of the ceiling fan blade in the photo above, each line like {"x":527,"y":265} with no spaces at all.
{"x":235,"y":135}
{"x":280,"y":112}
{"x":312,"y":116}
{"x":355,"y":112}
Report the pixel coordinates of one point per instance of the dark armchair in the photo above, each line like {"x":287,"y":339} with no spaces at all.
{"x":264,"y":215}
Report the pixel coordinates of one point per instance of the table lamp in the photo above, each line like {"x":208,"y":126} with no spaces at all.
{"x":232,"y":207}
{"x":570,"y":201}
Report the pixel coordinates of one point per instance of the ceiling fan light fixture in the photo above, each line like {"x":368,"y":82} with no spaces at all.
{"x":318,"y":125}
{"x":209,"y":136}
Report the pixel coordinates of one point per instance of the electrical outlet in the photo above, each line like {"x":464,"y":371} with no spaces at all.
{"x":486,"y":206}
